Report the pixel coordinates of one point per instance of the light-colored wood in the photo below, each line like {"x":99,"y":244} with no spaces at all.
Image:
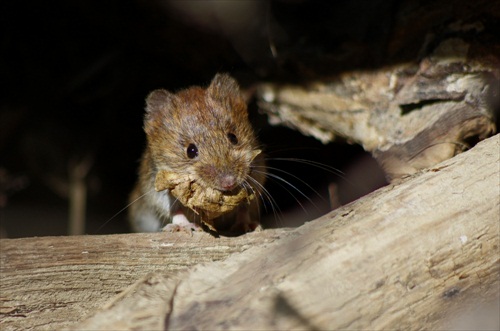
{"x":52,"y":282}
{"x":410,"y":115}
{"x":404,"y":257}
{"x":401,"y":257}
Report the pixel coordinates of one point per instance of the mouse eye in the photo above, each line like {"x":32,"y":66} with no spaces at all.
{"x":232,"y":138}
{"x":192,"y":151}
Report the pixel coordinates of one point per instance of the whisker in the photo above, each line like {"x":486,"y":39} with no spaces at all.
{"x":297,"y":178}
{"x":262,"y":197}
{"x":278,"y":179}
{"x":321,"y":166}
{"x":310,"y":162}
{"x":290,"y":184}
{"x":248,"y":187}
{"x":164,"y":221}
{"x":265,"y":193}
{"x":291,"y":149}
{"x":123,"y":209}
{"x":260,"y":189}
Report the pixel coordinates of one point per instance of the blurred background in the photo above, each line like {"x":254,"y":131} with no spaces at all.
{"x":74,"y":75}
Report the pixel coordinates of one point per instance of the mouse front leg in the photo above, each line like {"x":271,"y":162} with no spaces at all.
{"x":180,"y":223}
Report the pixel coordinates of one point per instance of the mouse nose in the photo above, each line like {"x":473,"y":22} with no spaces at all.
{"x":228,"y":182}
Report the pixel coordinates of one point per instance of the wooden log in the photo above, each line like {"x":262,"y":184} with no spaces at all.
{"x":401,"y":257}
{"x":373,"y":109}
{"x":404,"y":257}
{"x":52,"y":282}
{"x":413,"y":112}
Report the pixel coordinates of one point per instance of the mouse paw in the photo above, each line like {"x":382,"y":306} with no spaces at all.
{"x":181,"y":224}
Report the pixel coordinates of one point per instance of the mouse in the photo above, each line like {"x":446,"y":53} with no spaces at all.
{"x":203,"y":133}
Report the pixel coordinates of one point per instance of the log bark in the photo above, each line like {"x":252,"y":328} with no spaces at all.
{"x":408,"y":121}
{"x":415,"y":110}
{"x":52,"y":282}
{"x":403,"y":257}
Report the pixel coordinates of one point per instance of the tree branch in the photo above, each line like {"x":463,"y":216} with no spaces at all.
{"x":405,"y":256}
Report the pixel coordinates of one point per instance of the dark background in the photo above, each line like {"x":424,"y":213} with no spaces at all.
{"x":74,"y":75}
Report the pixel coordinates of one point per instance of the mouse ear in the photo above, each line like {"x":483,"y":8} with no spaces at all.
{"x":159,"y":100}
{"x":222,"y":87}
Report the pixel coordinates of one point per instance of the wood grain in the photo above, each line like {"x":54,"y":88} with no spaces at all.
{"x":408,"y":256}
{"x":413,"y":112}
{"x":51,"y":282}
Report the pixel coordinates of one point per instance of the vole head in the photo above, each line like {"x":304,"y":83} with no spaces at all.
{"x":202,"y":132}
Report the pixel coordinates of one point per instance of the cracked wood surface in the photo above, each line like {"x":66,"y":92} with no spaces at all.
{"x":407,"y":256}
{"x":52,"y":282}
{"x":410,"y":113}
{"x":371,"y":109}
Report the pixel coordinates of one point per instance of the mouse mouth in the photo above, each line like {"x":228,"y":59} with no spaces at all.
{"x":207,"y":202}
{"x":227,"y":182}
{"x":222,"y":179}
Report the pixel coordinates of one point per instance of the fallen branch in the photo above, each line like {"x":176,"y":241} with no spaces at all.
{"x":405,"y":256}
{"x":410,"y":115}
{"x":52,"y":282}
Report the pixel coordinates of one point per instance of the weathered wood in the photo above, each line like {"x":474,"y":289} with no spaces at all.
{"x":368,"y":108}
{"x":405,"y":257}
{"x":414,"y":112}
{"x":398,"y":258}
{"x":52,"y":282}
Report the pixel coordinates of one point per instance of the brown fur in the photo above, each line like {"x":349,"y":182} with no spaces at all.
{"x":203,"y":117}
